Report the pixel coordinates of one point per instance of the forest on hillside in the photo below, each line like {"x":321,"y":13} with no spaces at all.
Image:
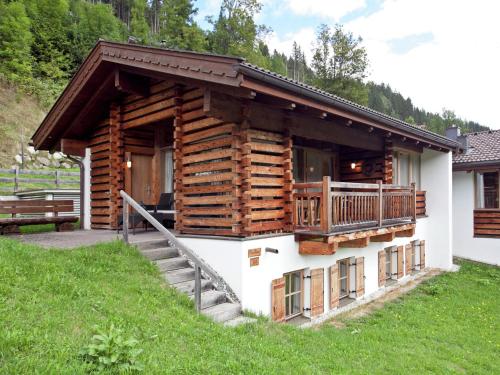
{"x":43,"y":42}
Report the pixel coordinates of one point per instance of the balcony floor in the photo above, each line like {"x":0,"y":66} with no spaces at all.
{"x":312,"y":243}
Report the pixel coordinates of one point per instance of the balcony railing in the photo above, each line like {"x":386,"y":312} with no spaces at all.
{"x":339,"y":207}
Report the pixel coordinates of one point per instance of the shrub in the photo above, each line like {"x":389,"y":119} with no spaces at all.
{"x":110,"y":350}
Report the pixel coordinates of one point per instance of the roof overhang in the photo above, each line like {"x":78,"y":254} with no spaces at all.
{"x":96,"y":82}
{"x":477,"y":166}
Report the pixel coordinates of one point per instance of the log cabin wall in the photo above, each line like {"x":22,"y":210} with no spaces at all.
{"x":207,"y":169}
{"x":106,"y":147}
{"x":267,"y":181}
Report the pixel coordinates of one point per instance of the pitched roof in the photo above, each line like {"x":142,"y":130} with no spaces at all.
{"x":483,"y":148}
{"x":210,"y":68}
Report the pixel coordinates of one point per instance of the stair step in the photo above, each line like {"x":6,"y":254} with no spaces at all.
{"x":188,"y":286}
{"x":211,"y":298}
{"x":180,"y":275}
{"x":223,"y":311}
{"x":160,"y":253}
{"x":172,"y":264}
{"x":150,"y":244}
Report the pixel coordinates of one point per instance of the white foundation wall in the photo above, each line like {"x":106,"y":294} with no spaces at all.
{"x":252,"y":285}
{"x":436,"y":229}
{"x":465,"y":245}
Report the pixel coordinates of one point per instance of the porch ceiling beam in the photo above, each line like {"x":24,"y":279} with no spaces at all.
{"x":304,"y":126}
{"x":131,"y":84}
{"x":276,"y":102}
{"x":73,"y":147}
{"x":286,"y":95}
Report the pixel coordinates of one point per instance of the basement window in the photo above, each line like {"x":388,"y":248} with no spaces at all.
{"x":293,"y":294}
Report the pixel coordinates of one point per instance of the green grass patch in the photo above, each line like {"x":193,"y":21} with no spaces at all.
{"x":50,"y":301}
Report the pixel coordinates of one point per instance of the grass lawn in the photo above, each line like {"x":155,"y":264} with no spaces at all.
{"x":50,"y":300}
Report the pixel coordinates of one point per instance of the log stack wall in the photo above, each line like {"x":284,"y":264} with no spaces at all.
{"x":207,"y":179}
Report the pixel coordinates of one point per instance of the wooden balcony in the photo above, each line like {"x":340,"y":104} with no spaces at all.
{"x":329,"y":214}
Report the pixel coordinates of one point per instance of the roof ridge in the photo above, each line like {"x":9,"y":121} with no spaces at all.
{"x":482,"y":132}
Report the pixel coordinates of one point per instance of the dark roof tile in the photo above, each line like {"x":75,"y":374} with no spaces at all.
{"x":483,"y":147}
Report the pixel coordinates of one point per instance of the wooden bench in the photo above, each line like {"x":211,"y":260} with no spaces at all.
{"x":36,"y":207}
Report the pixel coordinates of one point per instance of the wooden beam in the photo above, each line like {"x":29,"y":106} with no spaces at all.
{"x":74,"y":147}
{"x":348,"y":115}
{"x":357,"y":243}
{"x":406,"y":233}
{"x":222,"y":106}
{"x":317,"y":248}
{"x":131,"y":84}
{"x":388,"y":237}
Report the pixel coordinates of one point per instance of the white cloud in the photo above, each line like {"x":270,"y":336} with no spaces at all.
{"x":458,"y":69}
{"x":303,"y":37}
{"x":333,"y":9}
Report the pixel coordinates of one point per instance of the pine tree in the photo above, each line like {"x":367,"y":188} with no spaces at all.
{"x":15,"y":42}
{"x":139,"y":27}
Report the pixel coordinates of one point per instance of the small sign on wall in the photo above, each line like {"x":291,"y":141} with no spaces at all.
{"x":254,"y":252}
{"x":254,"y":255}
{"x":254,"y":262}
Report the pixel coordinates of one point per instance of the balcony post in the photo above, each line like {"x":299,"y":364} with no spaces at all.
{"x":380,"y":204}
{"x":326,"y":207}
{"x":414,"y":201}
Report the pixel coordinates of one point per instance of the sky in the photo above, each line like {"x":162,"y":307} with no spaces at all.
{"x":440,"y":53}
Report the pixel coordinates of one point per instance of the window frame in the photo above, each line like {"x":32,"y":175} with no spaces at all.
{"x":347,"y":263}
{"x":479,"y":198}
{"x":412,"y":157}
{"x":300,"y":291}
{"x":302,"y":172}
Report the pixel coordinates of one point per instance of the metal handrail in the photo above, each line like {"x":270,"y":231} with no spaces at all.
{"x":199,"y":264}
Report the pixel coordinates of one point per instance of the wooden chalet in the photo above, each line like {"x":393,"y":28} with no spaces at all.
{"x":251,"y":152}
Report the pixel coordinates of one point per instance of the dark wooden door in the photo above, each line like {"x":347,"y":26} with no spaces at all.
{"x":142,"y":178}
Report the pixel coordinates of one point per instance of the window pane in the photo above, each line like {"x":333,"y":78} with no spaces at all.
{"x":296,"y":304}
{"x":395,"y":174}
{"x":298,"y":164}
{"x":287,"y":306}
{"x":490,"y":181}
{"x":404,"y":169}
{"x":416,"y":170}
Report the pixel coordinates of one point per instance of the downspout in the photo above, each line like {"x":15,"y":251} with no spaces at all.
{"x":82,"y":188}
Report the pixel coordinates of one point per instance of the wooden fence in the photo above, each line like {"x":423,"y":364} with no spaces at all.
{"x":42,"y":179}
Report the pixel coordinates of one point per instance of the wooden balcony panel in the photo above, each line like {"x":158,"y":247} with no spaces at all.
{"x":487,"y":223}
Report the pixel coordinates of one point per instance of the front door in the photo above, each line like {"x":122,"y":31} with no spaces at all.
{"x":142,"y":178}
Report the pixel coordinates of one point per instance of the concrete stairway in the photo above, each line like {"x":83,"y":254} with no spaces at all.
{"x":179,"y":273}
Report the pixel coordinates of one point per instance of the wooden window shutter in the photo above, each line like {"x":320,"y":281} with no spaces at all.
{"x":400,"y":262}
{"x":360,"y":276}
{"x":381,"y":268}
{"x":278,"y":299}
{"x":317,"y":291}
{"x":408,"y":250}
{"x":334,"y":286}
{"x":422,"y":254}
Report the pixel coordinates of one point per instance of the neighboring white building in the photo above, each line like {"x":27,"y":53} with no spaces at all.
{"x":476,"y":197}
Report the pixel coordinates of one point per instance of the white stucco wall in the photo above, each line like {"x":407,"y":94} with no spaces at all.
{"x":436,"y":172}
{"x":253,"y":284}
{"x":86,"y":189}
{"x":485,"y":250}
